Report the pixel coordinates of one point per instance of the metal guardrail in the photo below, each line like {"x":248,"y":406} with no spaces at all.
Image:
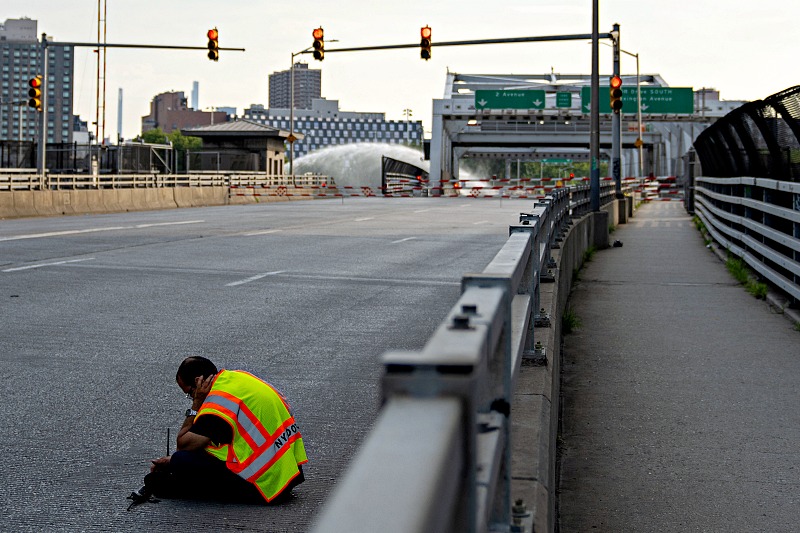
{"x":438,"y":457}
{"x":13,"y":180}
{"x":757,"y":219}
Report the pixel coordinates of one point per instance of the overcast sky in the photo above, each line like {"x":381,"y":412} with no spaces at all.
{"x":745,"y":49}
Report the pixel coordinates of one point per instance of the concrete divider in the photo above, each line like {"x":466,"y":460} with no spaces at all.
{"x":23,"y":203}
{"x":536,"y":405}
{"x":125,"y":199}
{"x":7,"y":205}
{"x":110,"y":201}
{"x":43,"y":204}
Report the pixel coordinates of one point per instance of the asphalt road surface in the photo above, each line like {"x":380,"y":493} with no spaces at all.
{"x":98,"y":311}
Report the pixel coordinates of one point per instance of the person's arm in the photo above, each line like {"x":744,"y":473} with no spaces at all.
{"x":188,"y":441}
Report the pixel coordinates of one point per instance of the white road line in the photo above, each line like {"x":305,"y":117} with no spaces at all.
{"x":265,"y":232}
{"x":254,"y":278}
{"x":403,"y":240}
{"x":379,"y":280}
{"x":423,"y":210}
{"x":364,"y":219}
{"x":480,"y":222}
{"x":168,"y":223}
{"x":17,"y":269}
{"x":91,"y":230}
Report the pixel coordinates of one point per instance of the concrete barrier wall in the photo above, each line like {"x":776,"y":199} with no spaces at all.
{"x":17,"y":204}
{"x":535,"y":409}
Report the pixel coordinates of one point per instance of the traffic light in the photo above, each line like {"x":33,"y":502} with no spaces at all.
{"x":615,"y":94}
{"x":425,"y":43}
{"x":213,"y":44}
{"x":319,"y":44}
{"x":35,"y":93}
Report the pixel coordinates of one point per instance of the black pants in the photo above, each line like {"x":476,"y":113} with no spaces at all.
{"x":198,"y":475}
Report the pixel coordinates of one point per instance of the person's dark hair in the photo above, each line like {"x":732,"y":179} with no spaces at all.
{"x":194,"y":366}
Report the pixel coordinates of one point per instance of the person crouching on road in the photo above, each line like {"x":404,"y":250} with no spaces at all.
{"x":239,"y":441}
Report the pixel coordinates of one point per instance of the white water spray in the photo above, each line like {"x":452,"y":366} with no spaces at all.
{"x":358,"y":164}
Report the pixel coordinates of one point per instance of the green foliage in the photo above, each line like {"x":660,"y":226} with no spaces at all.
{"x":569,"y":322}
{"x":588,"y":255}
{"x":179,"y":141}
{"x":737,"y":269}
{"x":757,"y":289}
{"x":531,"y":169}
{"x":611,"y":229}
{"x":701,"y":227}
{"x":797,"y":326}
{"x":744,"y":276}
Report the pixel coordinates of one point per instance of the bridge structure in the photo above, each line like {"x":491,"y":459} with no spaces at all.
{"x":480,"y":116}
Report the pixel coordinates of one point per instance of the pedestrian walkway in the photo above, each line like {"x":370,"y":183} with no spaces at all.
{"x":680,"y":396}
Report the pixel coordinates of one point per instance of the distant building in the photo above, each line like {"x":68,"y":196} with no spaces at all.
{"x":19,"y":62}
{"x":239,"y":145}
{"x":324,"y":125}
{"x":307,"y":87}
{"x":708,"y":104}
{"x":195,"y":95}
{"x":169,"y":111}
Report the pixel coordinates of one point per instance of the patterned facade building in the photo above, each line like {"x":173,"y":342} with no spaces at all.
{"x":21,"y":60}
{"x":325,"y":125}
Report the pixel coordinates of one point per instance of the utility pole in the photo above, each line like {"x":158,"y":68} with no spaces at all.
{"x":41,"y":165}
{"x":594,"y":121}
{"x":616,"y":125}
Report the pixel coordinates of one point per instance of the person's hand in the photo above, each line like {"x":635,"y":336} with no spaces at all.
{"x":202,"y":386}
{"x":159,"y":464}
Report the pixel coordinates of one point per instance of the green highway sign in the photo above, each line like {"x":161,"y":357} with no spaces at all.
{"x":564,"y":161}
{"x":655,"y":100}
{"x":563,"y":99}
{"x":510,"y":99}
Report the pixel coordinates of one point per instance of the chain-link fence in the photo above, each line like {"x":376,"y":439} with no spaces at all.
{"x":759,"y":139}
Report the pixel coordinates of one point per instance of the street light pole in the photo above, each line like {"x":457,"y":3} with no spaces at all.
{"x":594,"y":134}
{"x":638,"y":110}
{"x":291,"y":111}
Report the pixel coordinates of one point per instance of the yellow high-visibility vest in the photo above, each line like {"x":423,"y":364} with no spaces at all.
{"x":267,"y":447}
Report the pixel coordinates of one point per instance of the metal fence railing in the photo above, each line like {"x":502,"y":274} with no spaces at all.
{"x":758,"y":220}
{"x":438,"y":457}
{"x":759,"y":139}
{"x":27,"y":179}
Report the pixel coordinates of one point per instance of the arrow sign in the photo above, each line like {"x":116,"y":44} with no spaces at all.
{"x":510,"y":99}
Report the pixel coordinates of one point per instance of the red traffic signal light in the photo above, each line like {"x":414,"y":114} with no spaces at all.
{"x":615,"y":93}
{"x":35,"y":93}
{"x":213,"y":44}
{"x":425,"y":43}
{"x":319,"y":43}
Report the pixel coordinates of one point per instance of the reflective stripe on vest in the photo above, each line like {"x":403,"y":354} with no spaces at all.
{"x":278,"y":446}
{"x":246,"y":426}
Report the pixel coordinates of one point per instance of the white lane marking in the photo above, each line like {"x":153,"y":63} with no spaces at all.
{"x":92,"y":230}
{"x":168,"y":223}
{"x":47,"y":264}
{"x":265,"y":232}
{"x":379,"y":280}
{"x":364,"y":219}
{"x":423,"y":210}
{"x":480,"y":222}
{"x":403,"y":240}
{"x":254,"y":278}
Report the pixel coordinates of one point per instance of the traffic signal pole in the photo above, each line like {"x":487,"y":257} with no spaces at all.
{"x":41,"y":160}
{"x":616,"y":125}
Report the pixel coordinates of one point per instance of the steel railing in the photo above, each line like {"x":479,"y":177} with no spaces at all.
{"x":758,"y":220}
{"x":20,"y":180}
{"x":438,"y":458}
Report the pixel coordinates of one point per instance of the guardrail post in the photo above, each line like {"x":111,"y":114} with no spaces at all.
{"x":499,"y":383}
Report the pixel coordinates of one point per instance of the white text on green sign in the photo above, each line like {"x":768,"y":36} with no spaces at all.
{"x":655,"y":100}
{"x":521,"y":99}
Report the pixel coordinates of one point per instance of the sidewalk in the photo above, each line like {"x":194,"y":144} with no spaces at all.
{"x":679,"y":392}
